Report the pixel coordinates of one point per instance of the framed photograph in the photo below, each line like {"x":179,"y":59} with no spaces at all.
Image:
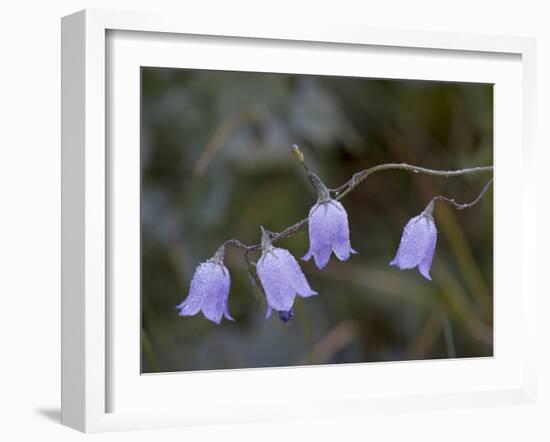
{"x":266,"y":222}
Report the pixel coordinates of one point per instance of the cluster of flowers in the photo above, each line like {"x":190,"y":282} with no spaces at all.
{"x":280,"y":274}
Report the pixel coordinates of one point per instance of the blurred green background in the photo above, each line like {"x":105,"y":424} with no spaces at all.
{"x":216,"y":164}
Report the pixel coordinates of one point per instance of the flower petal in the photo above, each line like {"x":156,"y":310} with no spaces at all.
{"x":340,"y":242}
{"x":213,"y":311}
{"x":193,"y":302}
{"x":209,"y":291}
{"x":426,"y":262}
{"x":293,"y":273}
{"x":417,"y":245}
{"x":328,"y":232}
{"x":308,"y":255}
{"x":413,"y":244}
{"x":214,"y":304}
{"x":226,"y":313}
{"x":320,"y":235}
{"x":278,"y":290}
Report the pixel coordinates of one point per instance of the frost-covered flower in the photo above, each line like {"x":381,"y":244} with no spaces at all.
{"x":417,"y":245}
{"x":209,"y":290}
{"x":281,"y":277}
{"x":328,"y":228}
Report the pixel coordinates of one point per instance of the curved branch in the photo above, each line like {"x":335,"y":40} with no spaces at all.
{"x":461,"y":206}
{"x":359,"y":177}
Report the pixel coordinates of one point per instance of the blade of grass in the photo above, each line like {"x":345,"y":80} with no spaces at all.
{"x":149,"y":353}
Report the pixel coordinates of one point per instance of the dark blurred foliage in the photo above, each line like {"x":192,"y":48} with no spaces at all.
{"x":216,"y":164}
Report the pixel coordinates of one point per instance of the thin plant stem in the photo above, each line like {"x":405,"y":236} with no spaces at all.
{"x":449,"y":337}
{"x":149,"y":352}
{"x":461,"y":206}
{"x":359,"y":177}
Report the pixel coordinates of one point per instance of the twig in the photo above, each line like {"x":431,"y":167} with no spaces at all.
{"x":359,"y":177}
{"x":461,"y":206}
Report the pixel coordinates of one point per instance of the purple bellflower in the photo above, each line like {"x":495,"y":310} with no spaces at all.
{"x":417,"y":245}
{"x":281,"y":277}
{"x":328,"y":228}
{"x":209,"y":290}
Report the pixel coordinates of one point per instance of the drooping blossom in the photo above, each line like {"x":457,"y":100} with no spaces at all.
{"x":209,"y":290}
{"x":328,"y":228}
{"x":281,"y":277}
{"x":418,"y":242}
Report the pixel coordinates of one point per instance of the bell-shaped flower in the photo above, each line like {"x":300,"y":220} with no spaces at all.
{"x":418,"y":242}
{"x":281,"y":277}
{"x":209,"y":290}
{"x":328,"y":228}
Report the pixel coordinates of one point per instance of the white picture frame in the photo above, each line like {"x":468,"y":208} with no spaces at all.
{"x":88,"y":206}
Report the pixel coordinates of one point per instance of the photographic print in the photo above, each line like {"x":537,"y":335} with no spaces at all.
{"x":296,"y":220}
